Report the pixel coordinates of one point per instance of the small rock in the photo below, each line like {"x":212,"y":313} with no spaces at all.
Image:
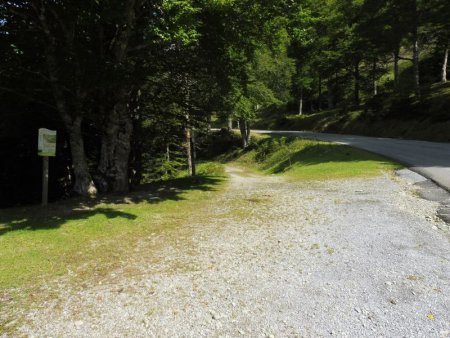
{"x":445,"y":334}
{"x":388,"y":283}
{"x":393,"y":301}
{"x":357,"y":309}
{"x":78,"y":323}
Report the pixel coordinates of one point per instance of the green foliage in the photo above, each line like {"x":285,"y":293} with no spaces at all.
{"x":218,"y":143}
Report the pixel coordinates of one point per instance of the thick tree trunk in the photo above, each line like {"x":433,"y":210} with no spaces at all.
{"x":445,"y":65}
{"x":357,"y":84}
{"x":230,"y":123}
{"x":300,"y":105}
{"x":115,"y":151}
{"x":83,"y":181}
{"x":396,"y":68}
{"x":71,"y":117}
{"x":113,"y":165}
{"x":416,"y":60}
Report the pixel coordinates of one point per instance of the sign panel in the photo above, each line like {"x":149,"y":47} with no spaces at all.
{"x":47,"y":142}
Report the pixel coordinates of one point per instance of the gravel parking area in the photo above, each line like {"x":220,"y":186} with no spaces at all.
{"x":274,"y":258}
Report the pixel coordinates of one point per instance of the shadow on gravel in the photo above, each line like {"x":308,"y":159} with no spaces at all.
{"x":56,"y":214}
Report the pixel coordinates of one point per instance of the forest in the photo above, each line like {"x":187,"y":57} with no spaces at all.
{"x":134,"y":87}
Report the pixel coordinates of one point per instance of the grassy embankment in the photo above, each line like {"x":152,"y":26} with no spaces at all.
{"x":308,"y":160}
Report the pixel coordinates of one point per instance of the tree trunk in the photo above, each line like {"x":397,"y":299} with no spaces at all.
{"x":230,"y":123}
{"x":357,"y":84}
{"x":136,"y":152}
{"x":416,"y":51}
{"x":115,"y":151}
{"x":396,"y":69}
{"x":245,"y":132}
{"x":374,"y":77}
{"x":300,"y":106}
{"x":319,"y":99}
{"x":247,"y":127}
{"x":83,"y":181}
{"x":71,"y":117}
{"x":444,"y":65}
{"x":113,"y":165}
{"x":416,"y":60}
{"x":167,"y":157}
{"x":190,"y":152}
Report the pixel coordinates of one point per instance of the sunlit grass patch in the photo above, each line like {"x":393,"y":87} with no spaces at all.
{"x":312,"y":160}
{"x":95,"y":236}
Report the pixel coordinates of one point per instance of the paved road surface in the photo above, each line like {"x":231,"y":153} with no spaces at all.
{"x":429,"y":159}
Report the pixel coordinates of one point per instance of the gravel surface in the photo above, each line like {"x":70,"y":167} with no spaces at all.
{"x":275,"y":258}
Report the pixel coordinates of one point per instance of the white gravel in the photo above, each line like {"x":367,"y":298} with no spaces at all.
{"x":275,"y":258}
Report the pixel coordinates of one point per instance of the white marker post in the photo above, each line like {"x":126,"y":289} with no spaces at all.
{"x":46,"y":149}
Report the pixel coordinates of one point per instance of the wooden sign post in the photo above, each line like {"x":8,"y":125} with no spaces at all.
{"x":46,"y":149}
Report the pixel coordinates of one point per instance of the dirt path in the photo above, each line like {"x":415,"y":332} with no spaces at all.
{"x":274,"y":258}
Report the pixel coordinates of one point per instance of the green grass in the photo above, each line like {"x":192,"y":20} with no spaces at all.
{"x":94,"y":236}
{"x":311,"y":160}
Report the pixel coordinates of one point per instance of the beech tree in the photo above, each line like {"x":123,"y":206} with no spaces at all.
{"x":95,"y":56}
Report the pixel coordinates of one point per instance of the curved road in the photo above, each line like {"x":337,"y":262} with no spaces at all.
{"x":430,"y":159}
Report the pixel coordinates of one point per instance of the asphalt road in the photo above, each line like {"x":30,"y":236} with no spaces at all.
{"x":430,"y":159}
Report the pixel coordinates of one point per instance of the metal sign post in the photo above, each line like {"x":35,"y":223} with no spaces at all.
{"x":46,"y":149}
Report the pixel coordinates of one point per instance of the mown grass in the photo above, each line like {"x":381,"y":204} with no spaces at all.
{"x":94,"y":236}
{"x":311,"y":160}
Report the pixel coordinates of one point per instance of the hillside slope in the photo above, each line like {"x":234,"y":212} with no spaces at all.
{"x":382,"y":116}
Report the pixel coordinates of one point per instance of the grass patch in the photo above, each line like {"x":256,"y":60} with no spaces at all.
{"x":311,"y":160}
{"x":95,"y":236}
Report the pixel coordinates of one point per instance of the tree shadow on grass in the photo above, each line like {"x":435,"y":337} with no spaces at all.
{"x":324,"y":153}
{"x":56,"y":214}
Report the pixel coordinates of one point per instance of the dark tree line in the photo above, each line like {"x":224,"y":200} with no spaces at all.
{"x":130,"y":84}
{"x":123,"y":80}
